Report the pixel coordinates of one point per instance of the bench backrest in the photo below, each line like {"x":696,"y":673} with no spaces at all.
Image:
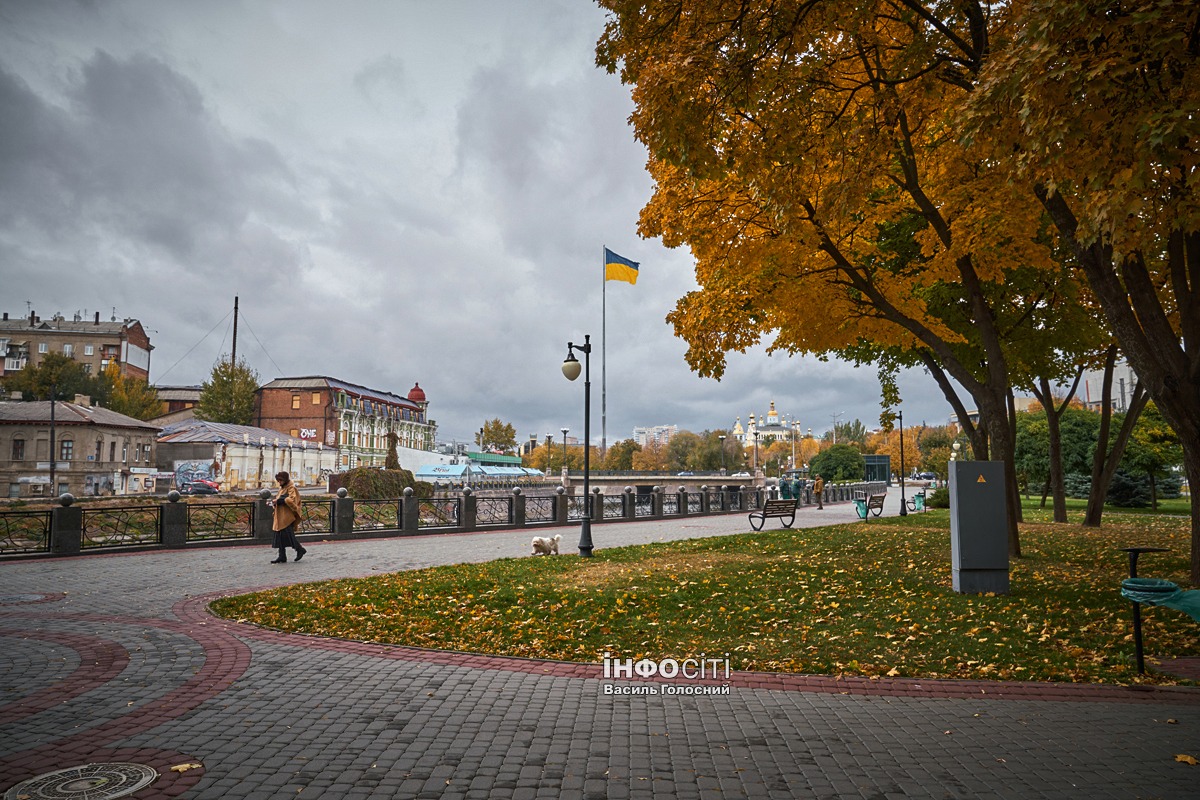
{"x":773,"y":506}
{"x":876,"y":501}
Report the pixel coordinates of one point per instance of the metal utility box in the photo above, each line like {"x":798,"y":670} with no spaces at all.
{"x":978,"y":527}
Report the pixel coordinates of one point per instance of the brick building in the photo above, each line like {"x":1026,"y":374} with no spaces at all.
{"x":97,"y":451}
{"x":25,"y":341}
{"x":354,"y":419}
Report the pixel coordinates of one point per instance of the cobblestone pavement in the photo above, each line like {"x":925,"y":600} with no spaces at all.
{"x":109,"y":659}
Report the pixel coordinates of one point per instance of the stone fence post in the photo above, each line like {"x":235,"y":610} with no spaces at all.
{"x":410,"y":511}
{"x":658,"y":502}
{"x":343,"y":512}
{"x":173,"y":517}
{"x":470,"y":505}
{"x":518,"y":507}
{"x":66,"y":527}
{"x":560,"y":506}
{"x":264,"y":518}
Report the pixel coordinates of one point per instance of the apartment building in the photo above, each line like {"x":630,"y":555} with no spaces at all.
{"x":25,"y":341}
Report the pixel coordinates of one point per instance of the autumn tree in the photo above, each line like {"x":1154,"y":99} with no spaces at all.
{"x":497,"y":435}
{"x":66,"y":376}
{"x":130,"y":395}
{"x":795,"y":147}
{"x":1153,"y":450}
{"x":619,"y":457}
{"x":228,"y":394}
{"x":1093,"y":104}
{"x":651,"y":458}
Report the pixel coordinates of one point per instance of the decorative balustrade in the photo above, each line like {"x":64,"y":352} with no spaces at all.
{"x":24,"y":531}
{"x":121,"y":526}
{"x":70,"y":529}
{"x":220,"y":521}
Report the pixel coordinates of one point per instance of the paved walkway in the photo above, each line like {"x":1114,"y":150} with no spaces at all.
{"x":107,"y":659}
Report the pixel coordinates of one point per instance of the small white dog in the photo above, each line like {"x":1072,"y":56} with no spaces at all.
{"x":545,"y":546}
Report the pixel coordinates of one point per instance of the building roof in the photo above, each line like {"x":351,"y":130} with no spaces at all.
{"x":38,"y":412}
{"x":178,"y":392}
{"x":13,"y":326}
{"x":323,"y":382}
{"x":199,"y":431}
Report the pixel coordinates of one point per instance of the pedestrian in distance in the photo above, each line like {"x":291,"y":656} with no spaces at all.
{"x":287,"y":515}
{"x":819,"y":490}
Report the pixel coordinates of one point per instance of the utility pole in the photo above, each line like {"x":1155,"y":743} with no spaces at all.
{"x":233,"y":358}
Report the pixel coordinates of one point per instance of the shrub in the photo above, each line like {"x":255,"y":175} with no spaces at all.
{"x":1170,"y":487}
{"x":1129,"y":491}
{"x":937,"y":498}
{"x":1077,"y":485}
{"x":372,"y":483}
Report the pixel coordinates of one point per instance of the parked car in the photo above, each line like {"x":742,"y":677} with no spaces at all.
{"x":740,"y":475}
{"x":199,"y":487}
{"x":685,"y":473}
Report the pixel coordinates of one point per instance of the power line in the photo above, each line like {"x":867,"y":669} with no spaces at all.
{"x":193,"y":347}
{"x":278,"y":371}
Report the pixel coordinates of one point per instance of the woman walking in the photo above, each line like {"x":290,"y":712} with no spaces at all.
{"x":287,"y":514}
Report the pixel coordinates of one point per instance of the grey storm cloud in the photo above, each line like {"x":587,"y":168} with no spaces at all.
{"x":397,"y":193}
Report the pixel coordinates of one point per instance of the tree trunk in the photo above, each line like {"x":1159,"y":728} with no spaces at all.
{"x":1153,"y":492}
{"x":1104,"y":465}
{"x":1045,"y":492}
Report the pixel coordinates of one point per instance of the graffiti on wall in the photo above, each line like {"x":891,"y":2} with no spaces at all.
{"x":188,"y":471}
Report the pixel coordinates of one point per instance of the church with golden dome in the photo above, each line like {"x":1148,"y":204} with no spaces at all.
{"x":770,"y":427}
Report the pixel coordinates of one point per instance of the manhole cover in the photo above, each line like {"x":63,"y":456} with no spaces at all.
{"x":89,"y":782}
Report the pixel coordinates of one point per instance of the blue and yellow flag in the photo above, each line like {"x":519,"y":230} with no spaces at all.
{"x":619,"y":268}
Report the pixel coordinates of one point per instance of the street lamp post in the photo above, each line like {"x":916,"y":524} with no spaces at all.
{"x":756,"y":453}
{"x":566,"y":469}
{"x":722,"y":438}
{"x":570,"y":369}
{"x":836,"y":417}
{"x":903,"y":507}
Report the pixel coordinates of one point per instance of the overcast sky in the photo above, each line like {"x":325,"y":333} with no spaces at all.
{"x":399,"y":192}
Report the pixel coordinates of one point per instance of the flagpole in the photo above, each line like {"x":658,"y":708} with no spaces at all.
{"x":603,"y":352}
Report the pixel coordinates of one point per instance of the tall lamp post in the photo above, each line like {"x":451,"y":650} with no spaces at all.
{"x":722,"y":438}
{"x":903,"y":506}
{"x":570,"y":369}
{"x":565,"y":431}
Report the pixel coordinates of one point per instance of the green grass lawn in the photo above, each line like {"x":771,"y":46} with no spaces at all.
{"x":870,"y":599}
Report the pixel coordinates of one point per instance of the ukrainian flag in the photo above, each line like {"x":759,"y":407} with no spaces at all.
{"x":619,"y":268}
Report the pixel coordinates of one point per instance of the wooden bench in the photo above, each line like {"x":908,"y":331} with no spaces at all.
{"x":778,"y":509}
{"x":868,"y":505}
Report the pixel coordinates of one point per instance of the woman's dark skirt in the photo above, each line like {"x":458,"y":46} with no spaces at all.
{"x":286,"y":537}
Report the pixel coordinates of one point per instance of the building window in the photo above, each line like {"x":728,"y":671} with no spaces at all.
{"x":89,"y":350}
{"x":99,"y":445}
{"x":295,"y":401}
{"x":125,"y":452}
{"x":69,"y":350}
{"x":112,"y":451}
{"x":43,"y":347}
{"x":66,"y":450}
{"x":18,"y":450}
{"x":316,"y":401}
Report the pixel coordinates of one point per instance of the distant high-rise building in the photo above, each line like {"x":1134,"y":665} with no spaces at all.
{"x":658,"y":434}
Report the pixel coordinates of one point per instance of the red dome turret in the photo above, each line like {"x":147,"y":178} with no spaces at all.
{"x":416,"y":394}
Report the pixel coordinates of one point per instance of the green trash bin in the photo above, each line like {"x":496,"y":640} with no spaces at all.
{"x":919,"y":500}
